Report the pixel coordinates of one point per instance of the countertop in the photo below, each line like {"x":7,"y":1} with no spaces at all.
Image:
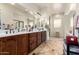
{"x":12,"y":34}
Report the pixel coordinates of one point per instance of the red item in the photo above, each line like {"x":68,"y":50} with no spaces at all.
{"x":72,"y":40}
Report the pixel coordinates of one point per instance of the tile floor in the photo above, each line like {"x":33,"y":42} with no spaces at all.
{"x":53,"y":46}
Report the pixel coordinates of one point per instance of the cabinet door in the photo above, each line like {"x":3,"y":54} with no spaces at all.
{"x":9,"y":46}
{"x":25,"y":44}
{"x":32,"y":41}
{"x":0,"y":47}
{"x":43,"y":36}
{"x":38,"y":38}
{"x":22,"y":47}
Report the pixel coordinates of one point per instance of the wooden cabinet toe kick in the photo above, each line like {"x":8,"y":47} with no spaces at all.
{"x":4,"y":53}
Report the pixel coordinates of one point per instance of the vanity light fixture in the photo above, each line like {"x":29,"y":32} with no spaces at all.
{"x":12,"y":3}
{"x":57,"y":16}
{"x":26,"y":9}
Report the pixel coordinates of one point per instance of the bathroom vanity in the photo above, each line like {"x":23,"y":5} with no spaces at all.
{"x":21,"y":43}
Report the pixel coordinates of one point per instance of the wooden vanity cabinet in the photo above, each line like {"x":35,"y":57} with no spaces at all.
{"x":21,"y":44}
{"x":32,"y":41}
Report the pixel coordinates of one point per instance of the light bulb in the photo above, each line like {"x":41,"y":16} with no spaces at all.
{"x":12,"y":3}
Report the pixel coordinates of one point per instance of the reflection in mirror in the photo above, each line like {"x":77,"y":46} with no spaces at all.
{"x":0,"y":19}
{"x":0,"y":23}
{"x":19,"y":24}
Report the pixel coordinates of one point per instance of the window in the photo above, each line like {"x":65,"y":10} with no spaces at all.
{"x":71,"y":22}
{"x":57,"y":23}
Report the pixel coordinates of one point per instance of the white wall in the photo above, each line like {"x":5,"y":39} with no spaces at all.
{"x":65,"y":27}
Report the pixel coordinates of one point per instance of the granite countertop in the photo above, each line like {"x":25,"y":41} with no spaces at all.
{"x":12,"y":34}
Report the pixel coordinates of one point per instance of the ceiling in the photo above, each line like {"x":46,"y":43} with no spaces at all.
{"x":49,"y":8}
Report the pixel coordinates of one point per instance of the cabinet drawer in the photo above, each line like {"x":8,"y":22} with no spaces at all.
{"x":32,"y":34}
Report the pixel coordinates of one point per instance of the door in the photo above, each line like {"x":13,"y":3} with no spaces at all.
{"x":56,"y":27}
